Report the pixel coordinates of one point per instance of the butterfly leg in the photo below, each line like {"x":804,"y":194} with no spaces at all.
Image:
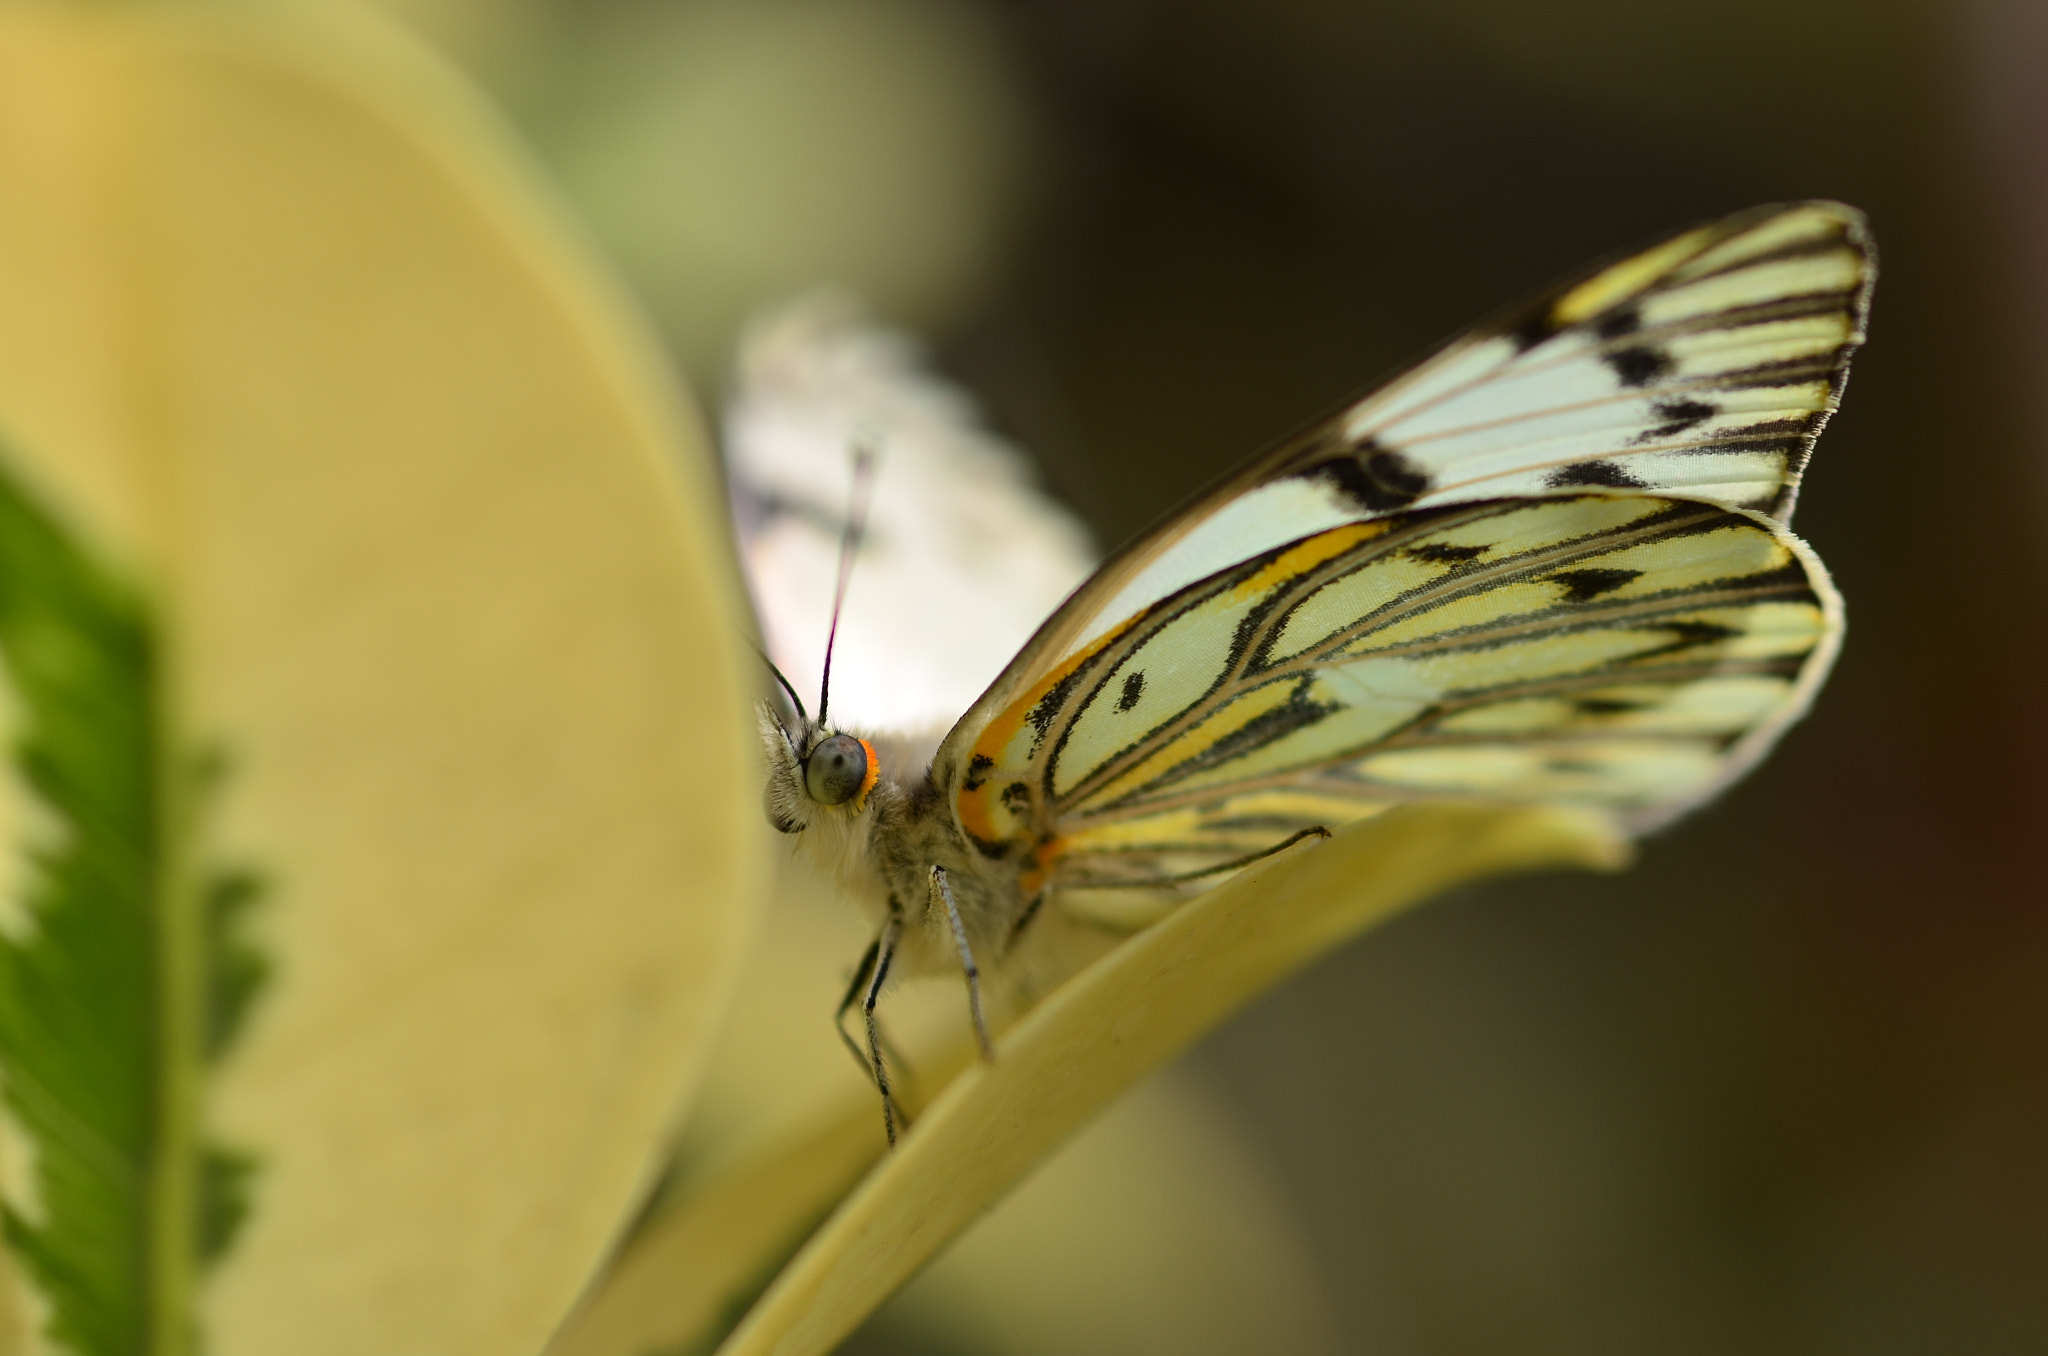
{"x":1281,"y":846}
{"x":941,"y":890}
{"x":862,"y":973}
{"x":1312,"y":831}
{"x":885,"y":951}
{"x":868,"y":977}
{"x":1315,"y":831}
{"x":898,"y":1061}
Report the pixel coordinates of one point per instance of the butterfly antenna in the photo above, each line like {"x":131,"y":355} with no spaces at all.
{"x":794,"y":700}
{"x":858,"y":500}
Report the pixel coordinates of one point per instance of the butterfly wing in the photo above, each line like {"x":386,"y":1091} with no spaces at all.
{"x":1702,"y":367}
{"x":1688,"y":380}
{"x":1624,"y":653}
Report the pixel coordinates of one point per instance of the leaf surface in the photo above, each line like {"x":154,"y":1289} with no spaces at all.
{"x":1143,"y":1003}
{"x":673,"y":1286}
{"x":421,"y":554}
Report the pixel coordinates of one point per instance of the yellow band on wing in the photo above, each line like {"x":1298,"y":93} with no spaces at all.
{"x":975,"y":804}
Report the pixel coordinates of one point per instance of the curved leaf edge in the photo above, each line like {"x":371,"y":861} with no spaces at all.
{"x":1143,"y":1003}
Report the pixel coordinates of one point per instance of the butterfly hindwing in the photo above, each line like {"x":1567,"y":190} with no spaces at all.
{"x":1623,"y":653}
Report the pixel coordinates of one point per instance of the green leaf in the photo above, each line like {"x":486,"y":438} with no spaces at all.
{"x":123,"y":975}
{"x":239,"y":969}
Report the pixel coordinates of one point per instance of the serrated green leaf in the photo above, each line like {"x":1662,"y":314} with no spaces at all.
{"x":239,"y":969}
{"x":107,"y":1011}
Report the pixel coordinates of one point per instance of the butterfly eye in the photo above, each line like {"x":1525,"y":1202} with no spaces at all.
{"x":836,"y":770}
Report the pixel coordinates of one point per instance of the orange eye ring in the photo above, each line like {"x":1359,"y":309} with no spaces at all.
{"x":867,"y":783}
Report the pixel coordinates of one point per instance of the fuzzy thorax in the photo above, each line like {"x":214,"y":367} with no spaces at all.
{"x":877,"y":845}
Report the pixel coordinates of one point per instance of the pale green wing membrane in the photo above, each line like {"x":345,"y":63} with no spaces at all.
{"x":1618,"y":653}
{"x":1701,"y":368}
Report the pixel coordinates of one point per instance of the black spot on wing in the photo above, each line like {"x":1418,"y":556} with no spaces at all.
{"x":1377,"y":479}
{"x":1048,"y":708}
{"x":1605,"y":706}
{"x":1017,"y":797}
{"x":1618,"y":322}
{"x":1604,"y":473}
{"x":1639,"y":364}
{"x":1134,"y":688}
{"x":1532,"y":329}
{"x":1678,"y":416}
{"x":1541,"y":324}
{"x":1443,"y":553}
{"x":977,"y":772}
{"x":1581,"y":586}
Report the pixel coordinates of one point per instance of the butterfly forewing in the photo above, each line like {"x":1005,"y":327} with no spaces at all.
{"x":1703,"y":367}
{"x":1624,"y":653}
{"x":1699,"y":369}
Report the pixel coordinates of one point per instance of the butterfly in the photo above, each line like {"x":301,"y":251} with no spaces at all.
{"x":1550,"y":562}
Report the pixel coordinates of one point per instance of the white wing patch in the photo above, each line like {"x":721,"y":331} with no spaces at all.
{"x":1453,"y":372}
{"x":1703,"y":368}
{"x":1252,"y":523}
{"x":1725,"y":342}
{"x":963,"y":556}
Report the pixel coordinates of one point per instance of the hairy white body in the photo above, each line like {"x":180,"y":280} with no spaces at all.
{"x":880,"y":848}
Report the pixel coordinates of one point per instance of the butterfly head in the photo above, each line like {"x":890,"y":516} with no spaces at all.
{"x":814,"y":773}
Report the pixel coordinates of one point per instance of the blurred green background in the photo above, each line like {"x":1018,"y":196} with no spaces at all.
{"x":1779,"y":1089}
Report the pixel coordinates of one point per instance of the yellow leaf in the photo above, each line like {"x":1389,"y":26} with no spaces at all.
{"x":288,"y":331}
{"x":1061,"y":1063}
{"x":688,"y":1272}
{"x":1158,"y":1230}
